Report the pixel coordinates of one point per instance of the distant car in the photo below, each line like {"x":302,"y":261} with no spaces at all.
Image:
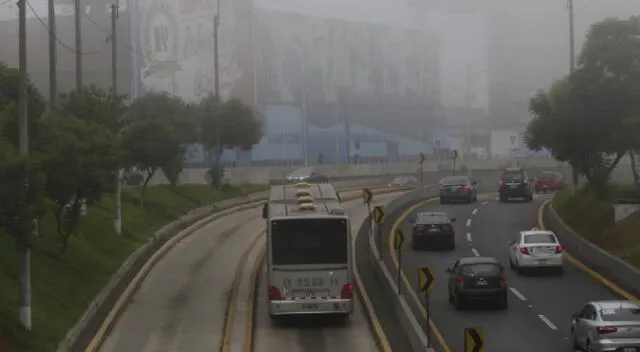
{"x":433,"y":230}
{"x":607,"y":326}
{"x":458,"y":188}
{"x":515,"y":183}
{"x":404,"y":181}
{"x":478,"y":279}
{"x":308,"y":174}
{"x":548,"y":181}
{"x":536,"y":249}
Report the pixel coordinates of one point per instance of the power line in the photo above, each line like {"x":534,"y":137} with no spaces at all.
{"x":67,"y":47}
{"x":5,"y":2}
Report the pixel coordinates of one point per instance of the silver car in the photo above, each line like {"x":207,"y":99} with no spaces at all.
{"x":607,"y":326}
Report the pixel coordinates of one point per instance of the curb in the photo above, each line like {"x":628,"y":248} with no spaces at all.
{"x":133,"y":271}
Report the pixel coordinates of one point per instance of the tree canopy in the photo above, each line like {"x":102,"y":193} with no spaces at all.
{"x":589,"y":118}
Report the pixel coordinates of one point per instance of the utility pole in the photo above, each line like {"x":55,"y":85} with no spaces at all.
{"x":305,"y":127}
{"x":217,"y":153}
{"x":53,"y":57}
{"x":117,"y":222}
{"x":23,"y":134}
{"x":78,"y":25}
{"x":337,"y":112}
{"x":575,"y":177}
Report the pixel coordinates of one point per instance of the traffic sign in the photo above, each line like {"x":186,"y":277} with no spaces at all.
{"x":473,"y":340}
{"x":454,"y":155}
{"x":425,"y":280}
{"x":367,"y":196}
{"x":398,"y":239}
{"x":422,"y":158}
{"x":378,"y":215}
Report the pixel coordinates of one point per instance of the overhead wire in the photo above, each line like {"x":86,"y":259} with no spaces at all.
{"x":63,"y":44}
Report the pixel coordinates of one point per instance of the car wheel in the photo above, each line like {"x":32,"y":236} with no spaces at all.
{"x":414,"y":244}
{"x":588,"y":347}
{"x":511,"y":265}
{"x":442,"y":201}
{"x":470,"y":199}
{"x":519,"y":269}
{"x":559,"y":271}
{"x":450,"y":296}
{"x":530,"y":198}
{"x":574,"y":341}
{"x":459,"y":302}
{"x":503,"y":302}
{"x":452,"y":245}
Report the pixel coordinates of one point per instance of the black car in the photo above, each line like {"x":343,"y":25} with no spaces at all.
{"x":433,"y":230}
{"x":308,"y":174}
{"x":458,"y":188}
{"x":515,"y":183}
{"x":479,"y":279}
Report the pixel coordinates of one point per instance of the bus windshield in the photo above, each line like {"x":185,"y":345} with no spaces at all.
{"x":309,"y":241}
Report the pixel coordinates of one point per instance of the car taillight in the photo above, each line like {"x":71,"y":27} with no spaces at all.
{"x":501,"y":183}
{"x":466,"y":187}
{"x":418,"y":227}
{"x":524,"y":250}
{"x":503,"y":281}
{"x":559,"y":249}
{"x":446,"y":228}
{"x":602,"y":330}
{"x":274,"y":293}
{"x":441,"y":187}
{"x":347,"y":291}
{"x":460,"y":282}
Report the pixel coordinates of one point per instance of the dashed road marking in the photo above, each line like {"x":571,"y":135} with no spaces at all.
{"x":468,"y":222}
{"x":468,"y":236}
{"x":518,"y":294}
{"x":474,"y":212}
{"x":475,"y":252}
{"x":485,"y":202}
{"x":548,"y":322}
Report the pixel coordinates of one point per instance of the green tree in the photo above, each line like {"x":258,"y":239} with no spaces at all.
{"x":79,"y":159}
{"x":168,"y":108}
{"x":230,"y":124}
{"x":95,"y":105}
{"x":150,"y":145}
{"x":21,"y":194}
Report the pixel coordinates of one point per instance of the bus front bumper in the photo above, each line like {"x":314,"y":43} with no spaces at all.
{"x":297,"y":307}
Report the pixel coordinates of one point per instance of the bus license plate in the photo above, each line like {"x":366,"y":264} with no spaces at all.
{"x":310,"y":306}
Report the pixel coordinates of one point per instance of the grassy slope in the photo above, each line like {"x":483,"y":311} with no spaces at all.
{"x":594,"y":220}
{"x":63,"y":286}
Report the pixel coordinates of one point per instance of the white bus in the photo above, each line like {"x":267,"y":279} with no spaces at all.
{"x":309,"y":261}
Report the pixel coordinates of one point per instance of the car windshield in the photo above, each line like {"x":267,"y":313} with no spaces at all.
{"x":455,"y":180}
{"x":480,"y":269}
{"x":545,"y":238}
{"x":512,"y":176}
{"x":433,"y":219}
{"x":621,"y":314}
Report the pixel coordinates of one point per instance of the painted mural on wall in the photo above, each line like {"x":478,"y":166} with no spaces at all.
{"x":175,"y":42}
{"x":329,"y":53}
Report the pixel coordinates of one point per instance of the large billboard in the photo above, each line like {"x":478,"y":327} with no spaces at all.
{"x":175,"y":42}
{"x":326,"y":54}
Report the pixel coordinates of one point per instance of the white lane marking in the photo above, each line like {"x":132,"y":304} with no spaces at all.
{"x":548,"y":322}
{"x":468,"y":236}
{"x":485,"y":202}
{"x":518,"y":294}
{"x":475,"y":252}
{"x":468,"y":222}
{"x":475,"y":211}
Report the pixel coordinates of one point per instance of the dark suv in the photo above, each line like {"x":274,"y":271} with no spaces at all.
{"x":433,"y":230}
{"x":515,"y":183}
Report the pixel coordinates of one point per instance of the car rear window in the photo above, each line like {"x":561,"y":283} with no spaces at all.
{"x":621,"y":314}
{"x":433,"y":219}
{"x":454,"y":180}
{"x":512,"y":176}
{"x":540,"y":238}
{"x":480,"y":269}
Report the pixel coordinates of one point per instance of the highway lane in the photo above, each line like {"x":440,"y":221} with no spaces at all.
{"x":318,"y":334}
{"x":180,"y":306}
{"x":540,"y":305}
{"x":519,"y":328}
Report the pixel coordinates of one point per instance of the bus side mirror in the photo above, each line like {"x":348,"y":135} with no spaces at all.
{"x":265,"y":211}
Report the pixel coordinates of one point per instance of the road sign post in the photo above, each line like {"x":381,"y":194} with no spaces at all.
{"x":473,"y":340}
{"x":378,"y":218}
{"x":367,"y":197}
{"x":426,"y":284}
{"x":454,"y":157}
{"x":398,"y":243}
{"x":422,"y":159}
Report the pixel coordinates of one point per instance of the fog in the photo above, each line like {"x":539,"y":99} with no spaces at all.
{"x":416,"y":61}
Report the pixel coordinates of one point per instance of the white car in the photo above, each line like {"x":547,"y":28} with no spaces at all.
{"x":536,"y":249}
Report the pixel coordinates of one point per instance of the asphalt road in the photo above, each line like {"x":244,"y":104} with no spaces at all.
{"x":540,"y":306}
{"x":317,"y":334}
